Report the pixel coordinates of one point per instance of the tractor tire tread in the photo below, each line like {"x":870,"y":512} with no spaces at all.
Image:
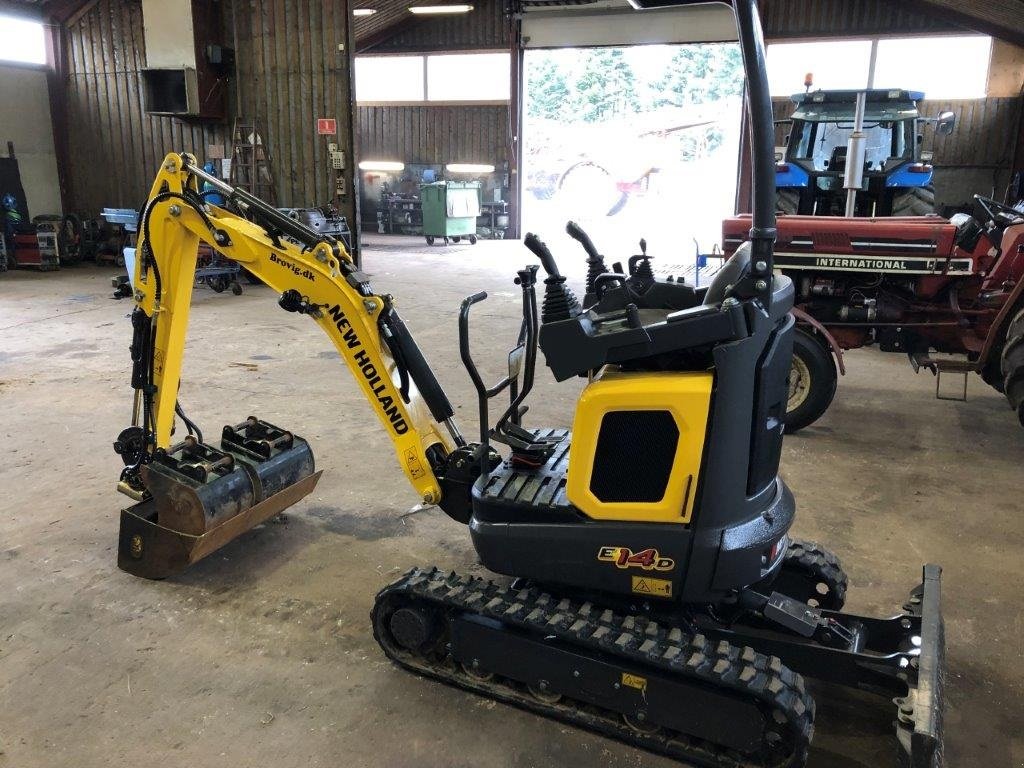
{"x":787,"y":201}
{"x":1011,"y":364}
{"x":824,"y":380}
{"x":915,"y":201}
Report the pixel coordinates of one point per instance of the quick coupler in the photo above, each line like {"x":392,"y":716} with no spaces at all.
{"x":199,"y":496}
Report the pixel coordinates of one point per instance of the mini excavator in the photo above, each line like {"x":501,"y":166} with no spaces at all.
{"x":656,"y":594}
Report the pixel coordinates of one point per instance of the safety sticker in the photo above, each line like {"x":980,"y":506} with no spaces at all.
{"x":644,"y":585}
{"x":413,"y":464}
{"x":634,"y":681}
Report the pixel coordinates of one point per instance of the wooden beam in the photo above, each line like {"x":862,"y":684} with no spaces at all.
{"x":998,"y":18}
{"x":83,"y":9}
{"x":67,"y":11}
{"x":56,"y":86}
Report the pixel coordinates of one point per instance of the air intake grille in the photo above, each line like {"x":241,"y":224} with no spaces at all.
{"x":633,"y":460}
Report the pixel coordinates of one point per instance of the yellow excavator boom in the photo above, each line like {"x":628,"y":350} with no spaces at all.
{"x":171,"y":229}
{"x":193,"y":496}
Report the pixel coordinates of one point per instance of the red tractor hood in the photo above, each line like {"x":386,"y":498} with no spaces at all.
{"x":919,"y":245}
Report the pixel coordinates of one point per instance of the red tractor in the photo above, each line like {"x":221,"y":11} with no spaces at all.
{"x":917,"y":285}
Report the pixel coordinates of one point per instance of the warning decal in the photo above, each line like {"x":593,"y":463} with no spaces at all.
{"x":413,"y":464}
{"x":634,"y":681}
{"x":642,"y":585}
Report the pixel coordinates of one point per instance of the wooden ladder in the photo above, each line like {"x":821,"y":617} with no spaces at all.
{"x":251,"y":163}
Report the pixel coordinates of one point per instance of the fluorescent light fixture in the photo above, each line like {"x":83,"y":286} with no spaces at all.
{"x":381,"y":165}
{"x":363,"y":11}
{"x":425,"y":9}
{"x":469,"y":168}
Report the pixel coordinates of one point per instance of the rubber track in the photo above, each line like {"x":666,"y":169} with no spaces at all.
{"x":1012,"y":365}
{"x":810,"y":557}
{"x":641,"y":644}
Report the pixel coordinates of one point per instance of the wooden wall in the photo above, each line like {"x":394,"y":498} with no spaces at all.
{"x":116,"y":148}
{"x":290,"y":72}
{"x":434,"y":134}
{"x":487,"y":26}
{"x":846,"y":18}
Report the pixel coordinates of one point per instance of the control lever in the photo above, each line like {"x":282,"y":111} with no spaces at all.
{"x":640,"y":265}
{"x":575,"y":231}
{"x":595,"y":261}
{"x":559,"y":301}
{"x":540,"y":250}
{"x":633,"y":317}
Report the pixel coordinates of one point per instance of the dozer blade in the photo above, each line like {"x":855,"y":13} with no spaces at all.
{"x":919,"y":718}
{"x":200,"y":497}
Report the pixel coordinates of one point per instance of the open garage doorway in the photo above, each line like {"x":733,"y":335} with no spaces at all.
{"x":632,"y":141}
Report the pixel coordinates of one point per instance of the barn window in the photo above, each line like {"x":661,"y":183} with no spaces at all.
{"x":836,"y":64}
{"x":468,"y":77}
{"x":481,"y":77}
{"x":385,"y":79}
{"x":944,"y":67}
{"x":21,"y":41}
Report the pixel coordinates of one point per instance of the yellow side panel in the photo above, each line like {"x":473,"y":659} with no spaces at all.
{"x":687,"y":396}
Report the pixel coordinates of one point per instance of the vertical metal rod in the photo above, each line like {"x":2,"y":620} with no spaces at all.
{"x":453,"y":430}
{"x":872,"y":62}
{"x":855,"y":155}
{"x":854,"y":174}
{"x":762,"y":145}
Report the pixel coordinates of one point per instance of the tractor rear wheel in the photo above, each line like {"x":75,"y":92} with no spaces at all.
{"x":1012,"y":365}
{"x":812,"y":381}
{"x":787,"y":201}
{"x":914,"y":201}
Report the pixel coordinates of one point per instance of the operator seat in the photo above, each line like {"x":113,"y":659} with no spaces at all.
{"x":837,"y":163}
{"x":734,"y":269}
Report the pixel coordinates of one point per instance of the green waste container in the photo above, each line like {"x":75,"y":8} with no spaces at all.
{"x":449,"y":210}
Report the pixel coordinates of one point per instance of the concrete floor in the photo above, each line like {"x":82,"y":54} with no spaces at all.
{"x":262,"y":654}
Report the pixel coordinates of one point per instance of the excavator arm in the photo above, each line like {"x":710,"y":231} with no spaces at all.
{"x":314,"y":275}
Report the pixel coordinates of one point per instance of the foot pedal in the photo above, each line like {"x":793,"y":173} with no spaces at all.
{"x":201,"y":496}
{"x":958,"y":393}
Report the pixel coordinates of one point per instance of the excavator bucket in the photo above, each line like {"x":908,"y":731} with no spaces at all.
{"x":202,"y":496}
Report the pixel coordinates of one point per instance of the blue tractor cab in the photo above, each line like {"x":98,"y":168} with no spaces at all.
{"x":897,"y":177}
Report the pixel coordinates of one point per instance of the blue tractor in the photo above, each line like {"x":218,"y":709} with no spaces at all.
{"x":897,"y":175}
